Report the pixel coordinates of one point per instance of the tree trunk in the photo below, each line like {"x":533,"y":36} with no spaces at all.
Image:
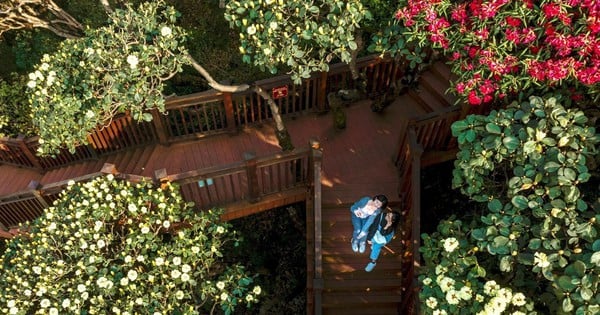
{"x":21,"y":14}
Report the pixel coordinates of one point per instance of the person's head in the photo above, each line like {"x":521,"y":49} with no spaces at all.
{"x":391,"y":220}
{"x":381,"y":201}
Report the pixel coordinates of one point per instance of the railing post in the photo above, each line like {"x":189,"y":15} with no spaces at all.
{"x":229,"y":114}
{"x":252,"y":177}
{"x":28,"y":153}
{"x":316,"y":159}
{"x":161,"y":177}
{"x":34,"y":186}
{"x":322,"y":92}
{"x":159,"y":126}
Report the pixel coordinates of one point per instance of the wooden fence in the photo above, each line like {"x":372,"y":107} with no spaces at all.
{"x":207,"y":113}
{"x":249,"y":181}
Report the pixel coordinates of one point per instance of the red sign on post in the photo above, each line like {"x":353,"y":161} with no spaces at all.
{"x":280,"y":91}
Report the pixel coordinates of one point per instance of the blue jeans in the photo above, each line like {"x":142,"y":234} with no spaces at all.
{"x":358,"y":224}
{"x":375,"y":250}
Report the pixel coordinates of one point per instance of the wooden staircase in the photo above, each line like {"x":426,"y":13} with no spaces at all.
{"x":347,"y":287}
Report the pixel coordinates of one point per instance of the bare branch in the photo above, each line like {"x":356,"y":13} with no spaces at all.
{"x":214,"y":84}
{"x":106,"y":6}
{"x":20,"y":14}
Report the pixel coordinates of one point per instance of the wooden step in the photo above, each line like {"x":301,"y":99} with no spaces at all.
{"x":361,"y":298}
{"x":437,"y":87}
{"x":380,"y":309}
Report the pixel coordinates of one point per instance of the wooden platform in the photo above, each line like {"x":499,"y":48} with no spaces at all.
{"x":357,"y":161}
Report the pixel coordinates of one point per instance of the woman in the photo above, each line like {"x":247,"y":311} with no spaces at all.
{"x":381,"y":233}
{"x":363,"y":212}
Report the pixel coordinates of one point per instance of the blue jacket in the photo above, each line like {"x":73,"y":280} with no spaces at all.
{"x":359,"y":204}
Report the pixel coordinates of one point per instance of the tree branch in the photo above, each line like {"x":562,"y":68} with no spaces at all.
{"x":214,"y":84}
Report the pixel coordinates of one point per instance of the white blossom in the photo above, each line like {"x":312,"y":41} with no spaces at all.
{"x":540,"y":260}
{"x":133,"y":61}
{"x":165,"y":31}
{"x":450,"y":244}
{"x":251,"y":30}
{"x":431,"y":302}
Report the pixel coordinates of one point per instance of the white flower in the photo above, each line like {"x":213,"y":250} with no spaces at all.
{"x":166,"y":224}
{"x":45,"y":303}
{"x":145,"y":230}
{"x":45,"y":66}
{"x":249,"y":298}
{"x":224,"y":296}
{"x":446,"y":284}
{"x":37,"y":270}
{"x":179,"y":294}
{"x":159,"y":261}
{"x":27,"y":292}
{"x":53,"y":311}
{"x":13,"y":310}
{"x":220,"y":285}
{"x":185,"y":277}
{"x":452,"y":297}
{"x":440,"y":269}
{"x":139,"y":301}
{"x":490,"y":287}
{"x":220,"y":230}
{"x":31,"y":84}
{"x":251,"y":30}
{"x":439,"y":312}
{"x":165,"y":31}
{"x":11,"y":303}
{"x":541,"y":260}
{"x":81,"y":288}
{"x":101,"y":244}
{"x":186,"y":268}
{"x":133,"y":61}
{"x":124,"y":281}
{"x":518,"y":299}
{"x":132,"y":275}
{"x":140,"y":258}
{"x":256,"y":290}
{"x":132,"y":207}
{"x":195,"y":249}
{"x":505,"y":294}
{"x":177,"y":261}
{"x":273,"y":25}
{"x":427,"y":281}
{"x":66,"y":303}
{"x":450,"y":244}
{"x":431,"y":302}
{"x":465,"y":293}
{"x":175,"y":274}
{"x":479,"y":298}
{"x":128,"y":259}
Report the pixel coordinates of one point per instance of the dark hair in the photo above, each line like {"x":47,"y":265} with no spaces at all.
{"x":383,"y":199}
{"x":395,"y":220}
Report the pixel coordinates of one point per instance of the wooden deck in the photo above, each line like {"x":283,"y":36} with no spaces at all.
{"x":357,"y":161}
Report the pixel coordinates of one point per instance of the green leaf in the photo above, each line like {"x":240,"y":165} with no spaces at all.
{"x":147,"y":117}
{"x":595,"y":259}
{"x":470,"y":135}
{"x":565,"y":283}
{"x":520,"y":202}
{"x":511,"y":143}
{"x":535,"y":243}
{"x":458,"y":127}
{"x":551,"y":167}
{"x":495,"y":205}
{"x":493,"y":128}
{"x":352,"y":45}
{"x":586,"y":294}
{"x":567,"y":306}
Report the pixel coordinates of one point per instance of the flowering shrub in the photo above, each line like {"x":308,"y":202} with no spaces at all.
{"x":301,"y":35}
{"x":501,"y":47}
{"x":111,"y":247}
{"x":113,"y":69}
{"x":535,"y":248}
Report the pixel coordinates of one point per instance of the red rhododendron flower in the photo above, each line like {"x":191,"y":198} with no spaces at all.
{"x":474,"y":99}
{"x":512,"y":21}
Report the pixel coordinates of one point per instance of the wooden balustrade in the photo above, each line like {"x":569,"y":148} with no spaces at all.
{"x":248,"y":180}
{"x":207,"y":113}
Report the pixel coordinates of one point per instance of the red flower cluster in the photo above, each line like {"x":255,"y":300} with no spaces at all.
{"x":497,"y":43}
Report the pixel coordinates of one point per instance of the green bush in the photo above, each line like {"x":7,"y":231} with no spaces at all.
{"x":15,"y":110}
{"x":112,"y":247}
{"x":536,"y":248}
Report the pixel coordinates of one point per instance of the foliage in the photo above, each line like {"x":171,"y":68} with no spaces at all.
{"x":15,"y":112}
{"x":302,"y":35}
{"x":504,"y":48}
{"x":539,"y":239}
{"x":110,"y":246}
{"x":274,"y":246}
{"x":114,"y":69}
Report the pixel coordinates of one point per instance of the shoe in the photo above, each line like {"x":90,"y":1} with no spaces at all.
{"x":354,"y":246}
{"x":362,"y":246}
{"x":370,"y":266}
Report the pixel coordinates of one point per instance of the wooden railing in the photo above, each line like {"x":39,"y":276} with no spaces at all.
{"x":314,"y":249}
{"x":249,"y":180}
{"x":428,"y":133}
{"x":207,"y":113}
